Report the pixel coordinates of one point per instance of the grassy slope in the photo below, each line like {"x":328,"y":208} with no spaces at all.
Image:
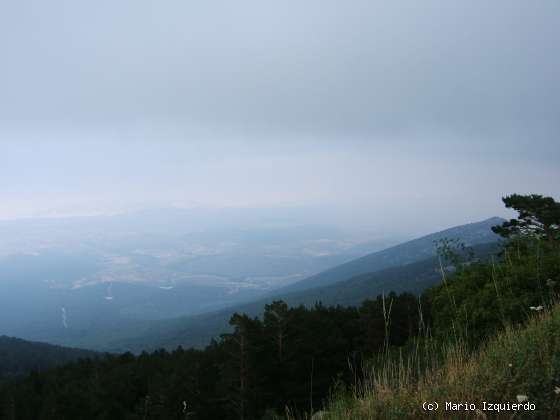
{"x":521,"y":361}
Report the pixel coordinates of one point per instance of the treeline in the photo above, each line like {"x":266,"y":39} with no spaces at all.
{"x":286,"y":360}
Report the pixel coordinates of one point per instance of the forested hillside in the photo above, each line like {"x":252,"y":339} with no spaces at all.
{"x":264,"y":365}
{"x":19,"y":357}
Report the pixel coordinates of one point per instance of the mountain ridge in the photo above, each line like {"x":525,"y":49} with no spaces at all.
{"x":410,"y":251}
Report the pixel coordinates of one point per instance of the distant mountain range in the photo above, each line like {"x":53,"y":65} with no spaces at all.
{"x":411,"y":266}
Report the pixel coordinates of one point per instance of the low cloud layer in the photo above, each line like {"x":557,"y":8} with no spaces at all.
{"x":116,"y":105}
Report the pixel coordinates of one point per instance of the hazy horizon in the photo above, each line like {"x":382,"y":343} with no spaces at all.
{"x":374,"y":115}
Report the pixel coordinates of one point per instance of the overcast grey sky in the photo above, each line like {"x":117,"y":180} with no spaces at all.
{"x":425,"y":110}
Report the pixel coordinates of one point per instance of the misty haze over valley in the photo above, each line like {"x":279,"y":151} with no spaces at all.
{"x":159,"y":263}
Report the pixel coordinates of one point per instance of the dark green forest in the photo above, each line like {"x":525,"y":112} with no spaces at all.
{"x":19,"y":357}
{"x":292,"y":358}
{"x":289,"y":358}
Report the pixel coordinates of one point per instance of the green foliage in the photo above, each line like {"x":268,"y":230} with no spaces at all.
{"x":538,"y":217}
{"x":476,"y":301}
{"x":483,"y":297}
